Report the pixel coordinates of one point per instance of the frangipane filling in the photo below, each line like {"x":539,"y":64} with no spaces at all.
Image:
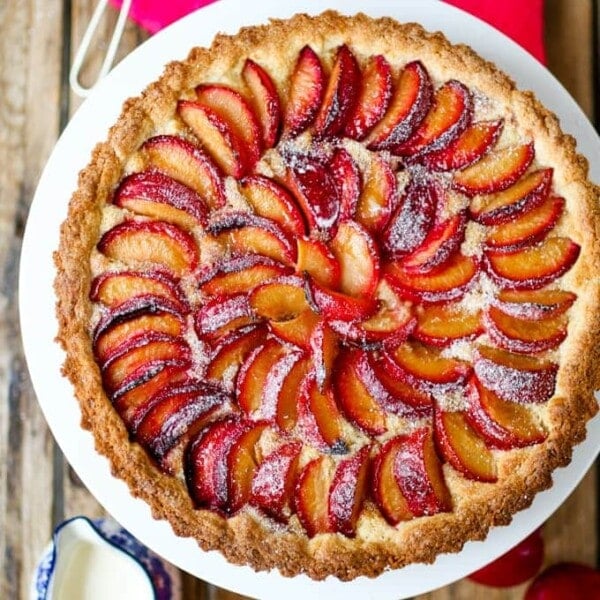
{"x":305,"y":306}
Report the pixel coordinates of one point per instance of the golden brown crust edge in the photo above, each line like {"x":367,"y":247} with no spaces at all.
{"x":242,"y":539}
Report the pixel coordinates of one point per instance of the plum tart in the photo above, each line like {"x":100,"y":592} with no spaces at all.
{"x":329,"y":296}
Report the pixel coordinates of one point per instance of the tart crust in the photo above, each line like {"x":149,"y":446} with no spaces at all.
{"x":245,"y":538}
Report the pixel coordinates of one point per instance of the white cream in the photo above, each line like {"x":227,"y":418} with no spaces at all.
{"x":90,"y":568}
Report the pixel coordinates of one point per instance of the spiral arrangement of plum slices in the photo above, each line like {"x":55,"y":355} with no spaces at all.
{"x":305,"y":306}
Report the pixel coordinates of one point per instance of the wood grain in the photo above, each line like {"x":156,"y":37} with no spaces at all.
{"x":30,"y":36}
{"x":37,"y":487}
{"x":569,"y":42}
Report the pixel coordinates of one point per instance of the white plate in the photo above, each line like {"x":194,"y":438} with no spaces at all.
{"x":38,"y":322}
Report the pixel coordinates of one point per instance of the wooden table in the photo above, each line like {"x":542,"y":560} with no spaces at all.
{"x":37,"y":487}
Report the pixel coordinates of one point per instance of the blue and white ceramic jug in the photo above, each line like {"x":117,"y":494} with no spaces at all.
{"x":98,"y":559}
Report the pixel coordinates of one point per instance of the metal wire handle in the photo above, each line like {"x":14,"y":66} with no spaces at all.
{"x":83,"y":49}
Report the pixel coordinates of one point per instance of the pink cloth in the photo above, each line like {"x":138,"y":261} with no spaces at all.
{"x":521,"y":20}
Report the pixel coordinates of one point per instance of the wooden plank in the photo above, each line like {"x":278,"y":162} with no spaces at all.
{"x":82,"y":12}
{"x":30,"y":43}
{"x":596,"y":63}
{"x":569,"y":43}
{"x":220,"y":594}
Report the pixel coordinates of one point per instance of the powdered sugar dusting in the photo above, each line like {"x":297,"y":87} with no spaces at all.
{"x":484,"y":107}
{"x":454,"y":203}
{"x":450,"y":398}
{"x":268,"y":479}
{"x":516,"y":385}
{"x":474,"y":237}
{"x":343,"y":495}
{"x":359,"y":153}
{"x":274,"y":383}
{"x":200,"y":354}
{"x":460,"y":350}
{"x":271,"y":164}
{"x":413,"y":219}
{"x":235,"y":200}
{"x":480,"y":295}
